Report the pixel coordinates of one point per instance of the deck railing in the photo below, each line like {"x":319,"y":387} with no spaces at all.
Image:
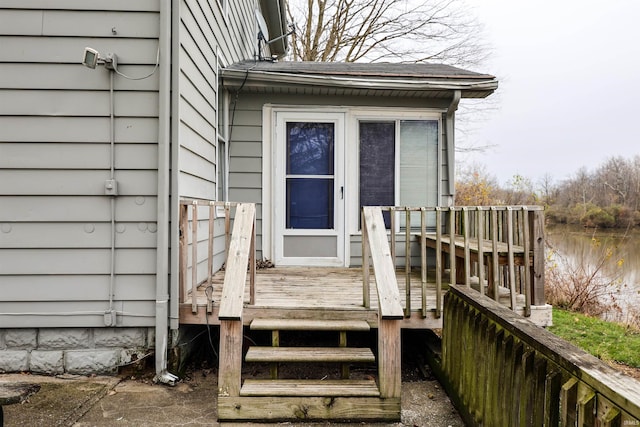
{"x":376,"y":246}
{"x":503,"y":371}
{"x":241,"y":252}
{"x":205,"y":222}
{"x":501,"y":247}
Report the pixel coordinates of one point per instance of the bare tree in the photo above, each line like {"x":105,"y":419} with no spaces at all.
{"x":408,"y":31}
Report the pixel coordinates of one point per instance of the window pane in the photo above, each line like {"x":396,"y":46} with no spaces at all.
{"x":418,"y":164}
{"x":309,"y":203}
{"x":310,"y":148}
{"x":377,"y":164}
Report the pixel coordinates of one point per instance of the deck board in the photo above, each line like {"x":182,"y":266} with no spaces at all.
{"x":314,"y":287}
{"x":314,"y":292}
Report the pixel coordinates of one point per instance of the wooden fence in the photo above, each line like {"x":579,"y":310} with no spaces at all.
{"x":501,"y":370}
{"x":197,"y":230}
{"x":502,"y":247}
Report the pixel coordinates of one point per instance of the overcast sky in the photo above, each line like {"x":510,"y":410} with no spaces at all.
{"x":569,"y":75}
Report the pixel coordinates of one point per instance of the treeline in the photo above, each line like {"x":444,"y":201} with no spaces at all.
{"x":608,"y":197}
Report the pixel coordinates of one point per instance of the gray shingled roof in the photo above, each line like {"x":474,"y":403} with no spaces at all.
{"x":386,"y":69}
{"x":367,"y":79}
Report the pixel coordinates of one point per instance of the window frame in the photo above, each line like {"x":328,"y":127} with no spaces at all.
{"x":353,"y":153}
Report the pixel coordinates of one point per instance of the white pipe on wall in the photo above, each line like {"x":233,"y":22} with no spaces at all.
{"x":163,"y":212}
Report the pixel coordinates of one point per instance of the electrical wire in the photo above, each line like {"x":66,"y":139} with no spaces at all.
{"x":155,"y":68}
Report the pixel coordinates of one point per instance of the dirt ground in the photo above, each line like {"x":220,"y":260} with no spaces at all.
{"x":132,"y":399}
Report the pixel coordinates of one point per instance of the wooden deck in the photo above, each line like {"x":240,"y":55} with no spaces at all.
{"x":314,"y":292}
{"x":311,"y":292}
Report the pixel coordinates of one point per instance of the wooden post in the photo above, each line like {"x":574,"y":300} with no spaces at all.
{"x":538,"y":258}
{"x":392,"y":233}
{"x":438,"y":263}
{"x":210,"y":237}
{"x":184,"y":243}
{"x":526,"y":244}
{"x":229,"y":374}
{"x":252,"y":264}
{"x":495,"y":261}
{"x":452,"y":250}
{"x":511,"y":258}
{"x":480,"y":231}
{"x":569,"y":401}
{"x":366,"y":297}
{"x":389,"y":358}
{"x":423,"y":258}
{"x":467,"y":251}
{"x":407,"y":262}
{"x":194,"y":258}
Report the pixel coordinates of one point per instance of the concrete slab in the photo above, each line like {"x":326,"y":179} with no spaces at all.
{"x":122,"y":401}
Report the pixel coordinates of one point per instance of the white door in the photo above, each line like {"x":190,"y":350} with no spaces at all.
{"x":309,"y":189}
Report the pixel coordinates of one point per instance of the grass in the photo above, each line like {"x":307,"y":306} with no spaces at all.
{"x":608,"y":341}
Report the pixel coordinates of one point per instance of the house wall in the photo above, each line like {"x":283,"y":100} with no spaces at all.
{"x":209,"y":38}
{"x":245,"y":168}
{"x":56,"y":296}
{"x":55,"y":219}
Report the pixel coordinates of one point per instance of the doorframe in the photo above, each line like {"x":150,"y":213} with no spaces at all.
{"x":270,"y":150}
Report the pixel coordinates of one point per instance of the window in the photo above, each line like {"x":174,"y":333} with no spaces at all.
{"x":309,"y":175}
{"x":223,"y":136}
{"x":398,"y":164}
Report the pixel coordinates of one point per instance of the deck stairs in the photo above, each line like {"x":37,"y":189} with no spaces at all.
{"x":281,"y":397}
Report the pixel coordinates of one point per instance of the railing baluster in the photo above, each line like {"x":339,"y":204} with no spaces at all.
{"x":212,"y":209}
{"x":452,"y":246}
{"x":407,"y":261}
{"x":194,"y":258}
{"x":495,"y":257}
{"x":366,"y":300}
{"x":467,"y":252}
{"x":423,"y":259}
{"x":438,"y":262}
{"x":184,"y":242}
{"x":511,"y":260}
{"x":480,"y":231}
{"x":526,"y":244}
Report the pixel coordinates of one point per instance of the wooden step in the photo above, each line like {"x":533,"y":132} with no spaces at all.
{"x":308,"y":325}
{"x":309,"y":354}
{"x":308,"y":388}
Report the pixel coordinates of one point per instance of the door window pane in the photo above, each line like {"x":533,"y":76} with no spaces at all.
{"x":310,"y":148}
{"x":309,"y":178}
{"x":309,"y":203}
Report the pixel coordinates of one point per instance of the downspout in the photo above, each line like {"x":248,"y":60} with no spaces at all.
{"x":453,"y":106}
{"x":163,"y":212}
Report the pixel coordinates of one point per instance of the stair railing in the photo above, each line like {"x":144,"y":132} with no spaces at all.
{"x":241,"y":252}
{"x":376,"y":246}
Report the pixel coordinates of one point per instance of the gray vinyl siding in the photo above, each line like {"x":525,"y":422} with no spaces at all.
{"x":245,"y":169}
{"x":55,"y":221}
{"x":208,"y":39}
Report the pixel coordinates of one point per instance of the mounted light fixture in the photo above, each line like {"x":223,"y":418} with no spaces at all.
{"x":92,"y":57}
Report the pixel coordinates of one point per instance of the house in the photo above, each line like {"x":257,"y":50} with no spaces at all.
{"x":182,"y":113}
{"x":121,"y":123}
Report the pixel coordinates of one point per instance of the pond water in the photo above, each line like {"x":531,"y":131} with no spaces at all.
{"x":614,"y":255}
